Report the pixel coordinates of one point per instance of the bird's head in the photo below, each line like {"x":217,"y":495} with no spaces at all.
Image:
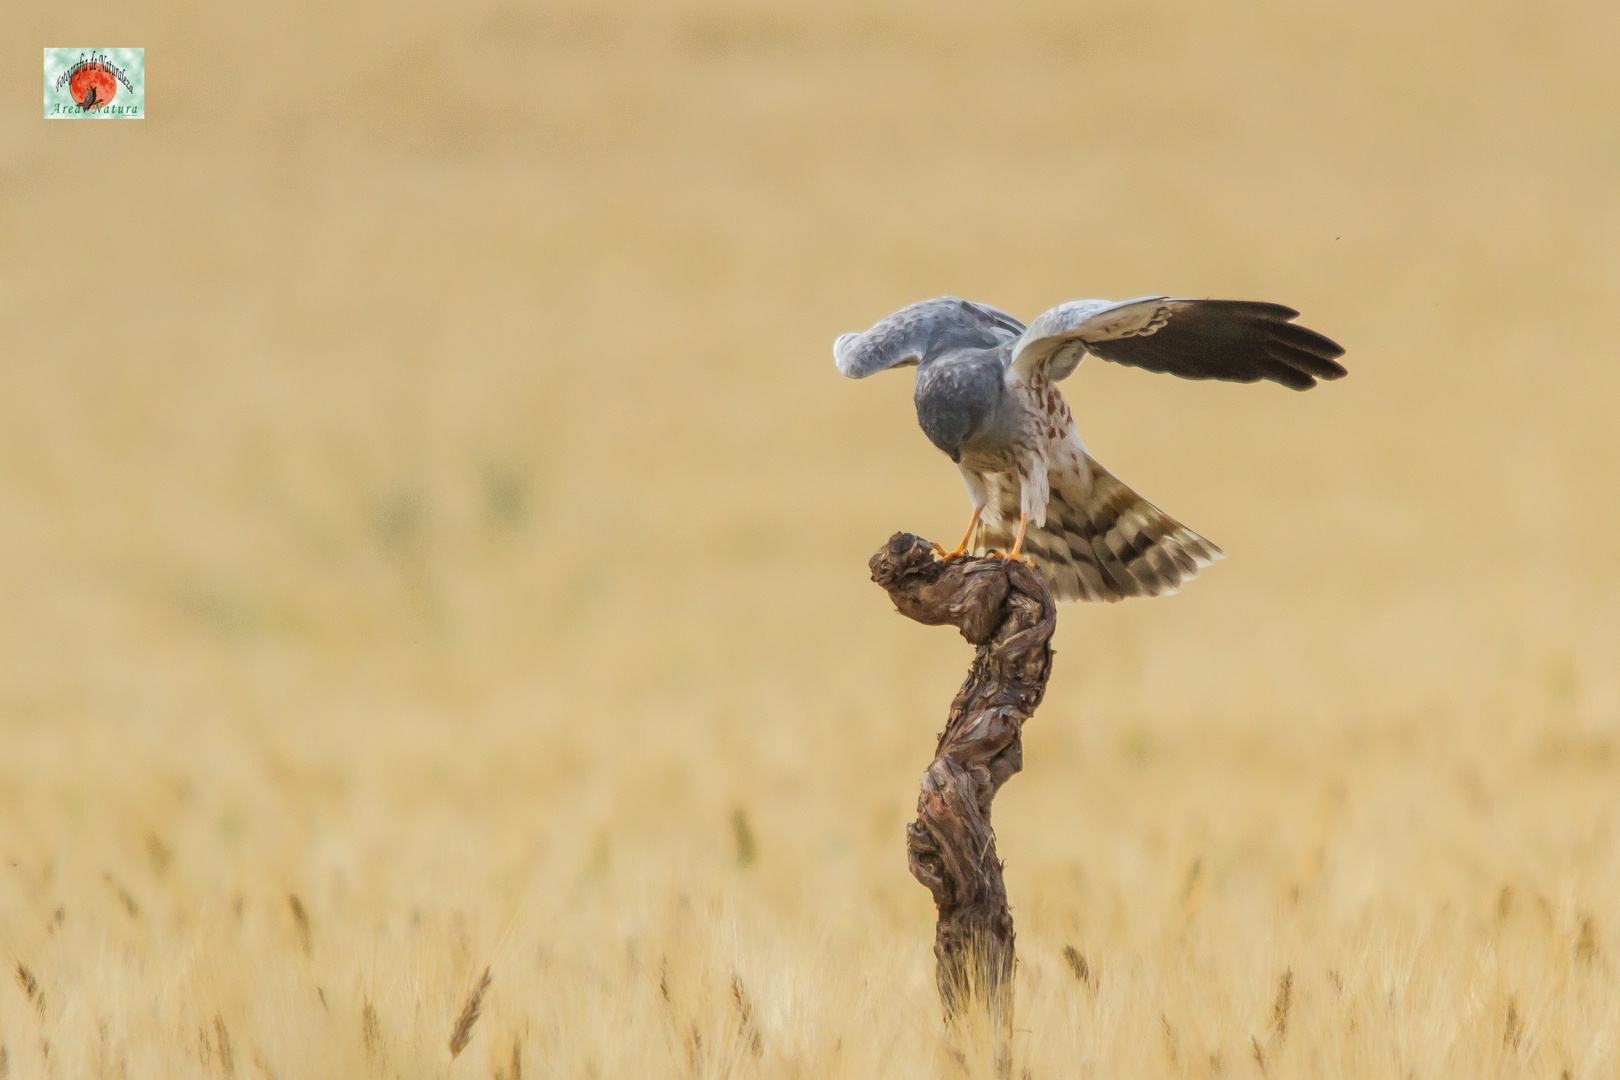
{"x":954,"y":401}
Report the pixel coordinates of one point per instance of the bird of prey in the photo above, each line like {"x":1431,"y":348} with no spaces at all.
{"x":987,"y":396}
{"x":89,"y":101}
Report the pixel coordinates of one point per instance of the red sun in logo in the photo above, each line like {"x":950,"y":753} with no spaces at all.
{"x":92,"y":86}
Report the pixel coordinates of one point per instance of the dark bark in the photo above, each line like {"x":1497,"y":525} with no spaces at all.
{"x":1004,"y":608}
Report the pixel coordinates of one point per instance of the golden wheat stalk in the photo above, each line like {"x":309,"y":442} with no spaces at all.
{"x":222,"y":1039}
{"x":1077,"y":965}
{"x":1284,"y":1004}
{"x":301,"y":920}
{"x":746,"y":1027}
{"x":371,"y":1033}
{"x":462,"y":1033}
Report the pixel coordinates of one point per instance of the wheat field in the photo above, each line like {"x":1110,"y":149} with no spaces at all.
{"x":433,"y":541}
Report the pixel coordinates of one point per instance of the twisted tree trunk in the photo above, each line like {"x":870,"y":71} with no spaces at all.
{"x":1004,"y":608}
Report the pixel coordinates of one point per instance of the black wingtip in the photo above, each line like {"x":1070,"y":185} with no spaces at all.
{"x":1305,"y":350}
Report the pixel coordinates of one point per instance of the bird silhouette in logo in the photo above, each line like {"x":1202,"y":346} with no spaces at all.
{"x":89,"y":101}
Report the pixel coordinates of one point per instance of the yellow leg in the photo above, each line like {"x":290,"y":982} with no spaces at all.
{"x":1018,"y":543}
{"x":962,"y":547}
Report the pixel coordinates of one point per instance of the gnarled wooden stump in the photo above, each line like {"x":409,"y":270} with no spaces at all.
{"x":1003,"y":607}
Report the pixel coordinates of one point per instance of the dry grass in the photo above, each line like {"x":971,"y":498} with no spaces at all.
{"x":433,"y":539}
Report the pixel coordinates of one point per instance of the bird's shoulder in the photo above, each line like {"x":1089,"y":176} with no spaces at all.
{"x":972,"y":370}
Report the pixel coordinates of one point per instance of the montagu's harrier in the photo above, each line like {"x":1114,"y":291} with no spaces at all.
{"x":987,"y":396}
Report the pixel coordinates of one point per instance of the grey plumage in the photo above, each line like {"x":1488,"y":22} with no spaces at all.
{"x":986,"y":396}
{"x":923,"y":331}
{"x":958,"y":396}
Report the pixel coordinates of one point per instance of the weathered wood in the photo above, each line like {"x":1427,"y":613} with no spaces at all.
{"x":1004,"y":608}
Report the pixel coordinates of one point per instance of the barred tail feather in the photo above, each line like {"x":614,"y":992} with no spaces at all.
{"x":1101,"y":540}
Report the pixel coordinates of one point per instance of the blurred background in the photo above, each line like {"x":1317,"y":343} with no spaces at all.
{"x":425,"y":489}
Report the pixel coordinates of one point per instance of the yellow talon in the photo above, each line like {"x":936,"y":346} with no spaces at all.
{"x":1018,"y":544}
{"x":961,"y":549}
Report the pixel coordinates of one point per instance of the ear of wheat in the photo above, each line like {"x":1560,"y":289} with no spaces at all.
{"x":746,"y":1026}
{"x":371,"y":1033}
{"x":30,"y":986}
{"x":1077,"y":965}
{"x":462,"y":1034}
{"x":222,"y":1042}
{"x":1284,"y":1003}
{"x":301,"y":920}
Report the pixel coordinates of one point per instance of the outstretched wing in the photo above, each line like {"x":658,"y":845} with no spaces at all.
{"x":921,"y":331}
{"x":1234,"y":340}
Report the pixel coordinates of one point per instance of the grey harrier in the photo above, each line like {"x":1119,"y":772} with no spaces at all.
{"x":987,"y":396}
